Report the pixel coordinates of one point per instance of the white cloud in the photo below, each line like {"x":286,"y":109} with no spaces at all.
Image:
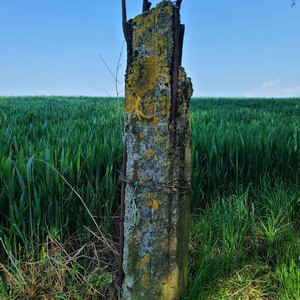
{"x":270,"y":83}
{"x":275,"y":89}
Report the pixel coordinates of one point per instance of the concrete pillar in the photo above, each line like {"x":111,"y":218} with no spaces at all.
{"x":158,"y":166}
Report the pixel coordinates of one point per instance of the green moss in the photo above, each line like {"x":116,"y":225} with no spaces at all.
{"x":134,"y":257}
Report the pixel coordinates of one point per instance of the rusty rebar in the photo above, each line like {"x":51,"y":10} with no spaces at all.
{"x":146,"y":5}
{"x":124,"y":21}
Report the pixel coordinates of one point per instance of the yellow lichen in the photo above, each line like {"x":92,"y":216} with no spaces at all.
{"x":152,"y":202}
{"x":142,"y":265}
{"x":147,"y":224}
{"x":134,"y":105}
{"x":146,"y":283}
{"x":157,"y":139}
{"x":142,"y":135}
{"x":156,"y":157}
{"x":155,"y":122}
{"x":143,"y":262}
{"x":149,"y":153}
{"x":146,"y":70}
{"x":170,"y":287}
{"x":141,"y":82}
{"x":154,"y":205}
{"x":143,"y":75}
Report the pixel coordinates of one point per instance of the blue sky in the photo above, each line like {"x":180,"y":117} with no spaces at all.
{"x":232,"y":47}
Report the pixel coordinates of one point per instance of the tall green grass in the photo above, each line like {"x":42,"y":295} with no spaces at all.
{"x":241,"y":142}
{"x":237,"y":144}
{"x":81,"y":139}
{"x":246,"y":169}
{"x":247,"y":247}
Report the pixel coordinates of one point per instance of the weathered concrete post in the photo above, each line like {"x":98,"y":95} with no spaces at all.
{"x":158,"y":151}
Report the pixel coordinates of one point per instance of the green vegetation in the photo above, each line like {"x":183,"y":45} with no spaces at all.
{"x":245,"y":233}
{"x":240,"y":142}
{"x":247,"y":246}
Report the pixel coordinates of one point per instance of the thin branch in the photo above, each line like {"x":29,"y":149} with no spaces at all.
{"x":108,"y":94}
{"x":117,"y":70}
{"x":108,"y":68}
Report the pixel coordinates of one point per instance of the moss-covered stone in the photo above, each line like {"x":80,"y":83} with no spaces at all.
{"x":158,"y":167}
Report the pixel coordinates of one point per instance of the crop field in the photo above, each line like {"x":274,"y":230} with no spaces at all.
{"x":60,"y":161}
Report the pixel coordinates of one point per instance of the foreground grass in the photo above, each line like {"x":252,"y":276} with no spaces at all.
{"x":60,"y":271}
{"x":245,"y":225}
{"x":247,"y":247}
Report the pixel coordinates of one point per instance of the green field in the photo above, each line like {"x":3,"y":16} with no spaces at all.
{"x":245,"y":231}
